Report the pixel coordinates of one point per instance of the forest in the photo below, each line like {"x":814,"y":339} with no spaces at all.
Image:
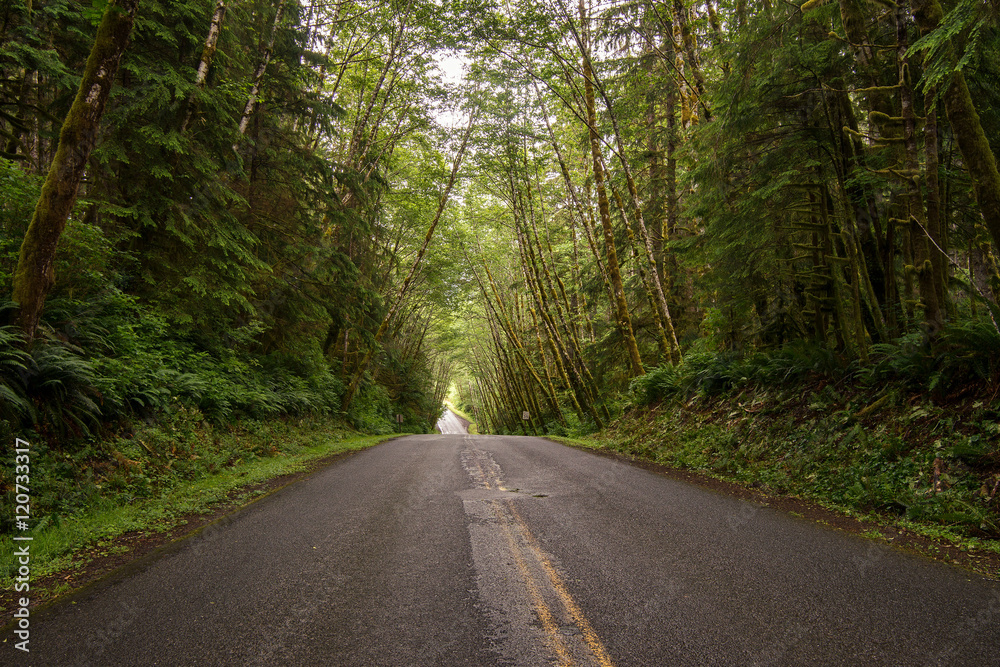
{"x":222,"y":214}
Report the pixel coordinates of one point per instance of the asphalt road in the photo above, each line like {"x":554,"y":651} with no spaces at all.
{"x":480,"y":550}
{"x":450,"y":423}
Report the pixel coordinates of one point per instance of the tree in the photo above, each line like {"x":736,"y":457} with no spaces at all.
{"x":407,"y":282}
{"x":965,"y":121}
{"x":35,"y":275}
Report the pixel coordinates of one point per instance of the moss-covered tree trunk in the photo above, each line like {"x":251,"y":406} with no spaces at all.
{"x":968,"y":129}
{"x":935,"y":229}
{"x":689,"y":49}
{"x":871,"y":237}
{"x":581,"y":210}
{"x":923,"y":259}
{"x":624,"y":319}
{"x":35,"y":274}
{"x":499,"y":312}
{"x":654,"y":285}
{"x":563,"y":362}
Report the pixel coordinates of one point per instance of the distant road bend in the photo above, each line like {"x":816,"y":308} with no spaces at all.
{"x":444,"y":550}
{"x":450,"y":423}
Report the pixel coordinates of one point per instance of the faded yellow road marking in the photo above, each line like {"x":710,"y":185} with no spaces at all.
{"x":486,"y":482}
{"x":574,"y":611}
{"x":542,"y":609}
{"x":540,"y":577}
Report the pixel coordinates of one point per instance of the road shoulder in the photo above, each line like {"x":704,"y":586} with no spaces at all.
{"x":880,"y":530}
{"x":95,"y":564}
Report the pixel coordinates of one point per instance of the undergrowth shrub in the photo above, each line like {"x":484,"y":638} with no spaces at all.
{"x":50,"y":386}
{"x":60,"y":382}
{"x":964,"y":353}
{"x":913,"y":433}
{"x":371,"y":410}
{"x":14,"y":363}
{"x":113,"y":359}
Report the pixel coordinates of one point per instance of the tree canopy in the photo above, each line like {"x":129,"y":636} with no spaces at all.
{"x":289,"y":208}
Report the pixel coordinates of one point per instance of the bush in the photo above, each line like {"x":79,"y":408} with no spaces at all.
{"x":371,"y":410}
{"x":964,"y":353}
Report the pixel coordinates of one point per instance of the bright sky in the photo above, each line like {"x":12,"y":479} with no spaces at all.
{"x":451,"y":67}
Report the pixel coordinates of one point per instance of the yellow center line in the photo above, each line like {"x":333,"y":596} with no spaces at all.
{"x":508,"y":520}
{"x":574,"y":611}
{"x":482,"y":474}
{"x":542,"y":609}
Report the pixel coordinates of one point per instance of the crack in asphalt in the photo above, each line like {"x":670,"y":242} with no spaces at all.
{"x":534,"y":617}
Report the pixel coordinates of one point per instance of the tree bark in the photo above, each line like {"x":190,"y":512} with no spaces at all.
{"x":205,"y":63}
{"x":965,"y":123}
{"x":923,"y":260}
{"x":34,"y":276}
{"x":689,"y":48}
{"x":662,"y":316}
{"x":265,"y":59}
{"x":935,"y":230}
{"x":624,"y":320}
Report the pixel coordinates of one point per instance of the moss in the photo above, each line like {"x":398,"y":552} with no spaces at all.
{"x":34,"y":275}
{"x":968,"y":128}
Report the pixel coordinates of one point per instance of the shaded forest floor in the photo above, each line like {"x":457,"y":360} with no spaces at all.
{"x":897,"y":466}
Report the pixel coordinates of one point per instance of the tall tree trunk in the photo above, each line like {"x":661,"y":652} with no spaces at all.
{"x":872,"y":239}
{"x":34,"y":275}
{"x":265,"y":59}
{"x":670,"y":178}
{"x":662,"y":311}
{"x":549,"y":387}
{"x":689,"y":48}
{"x":654,"y":200}
{"x":579,"y":298}
{"x":624,"y":320}
{"x":498,"y":311}
{"x":935,"y":229}
{"x":647,"y":282}
{"x":578,"y":206}
{"x":563,"y":361}
{"x":572,"y":352}
{"x":205,"y":63}
{"x":923,"y":261}
{"x":965,"y":123}
{"x":352,"y":388}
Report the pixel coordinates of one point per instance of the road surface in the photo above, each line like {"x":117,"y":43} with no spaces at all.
{"x":480,"y":550}
{"x":450,"y":423}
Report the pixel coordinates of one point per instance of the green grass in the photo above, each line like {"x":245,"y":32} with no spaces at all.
{"x":63,"y":543}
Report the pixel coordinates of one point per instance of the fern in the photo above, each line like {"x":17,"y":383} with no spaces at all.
{"x":965,"y":22}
